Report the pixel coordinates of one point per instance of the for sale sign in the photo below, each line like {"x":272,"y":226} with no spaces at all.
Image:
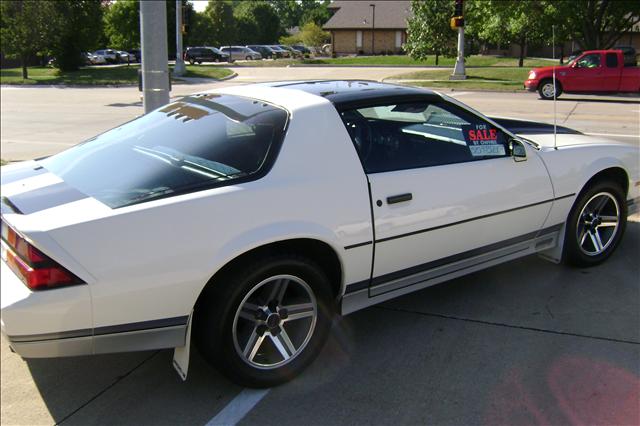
{"x":483,"y":140}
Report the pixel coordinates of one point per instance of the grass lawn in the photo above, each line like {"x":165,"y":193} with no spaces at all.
{"x":493,"y":78}
{"x":97,"y":76}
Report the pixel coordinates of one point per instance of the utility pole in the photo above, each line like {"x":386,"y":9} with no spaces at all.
{"x":373,"y":30}
{"x":179,"y":68}
{"x":155,"y":68}
{"x":458,"y":22}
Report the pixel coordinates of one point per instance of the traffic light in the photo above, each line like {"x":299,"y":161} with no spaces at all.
{"x":459,"y":8}
{"x":457,"y":22}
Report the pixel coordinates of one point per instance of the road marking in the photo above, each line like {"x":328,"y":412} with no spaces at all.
{"x":612,"y":134}
{"x":238,"y":407}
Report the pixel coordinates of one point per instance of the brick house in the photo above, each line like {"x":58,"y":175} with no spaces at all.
{"x":368,"y":27}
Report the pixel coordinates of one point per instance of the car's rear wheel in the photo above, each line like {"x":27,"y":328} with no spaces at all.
{"x":596,"y":224}
{"x":546,"y":89}
{"x":263,"y":325}
{"x":248,"y":58}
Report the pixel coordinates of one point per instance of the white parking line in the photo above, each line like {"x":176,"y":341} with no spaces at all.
{"x":238,"y":407}
{"x":612,"y":134}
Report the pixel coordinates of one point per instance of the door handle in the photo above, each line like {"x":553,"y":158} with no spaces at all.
{"x":399,"y":198}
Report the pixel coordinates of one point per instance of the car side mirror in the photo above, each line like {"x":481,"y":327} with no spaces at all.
{"x":518,"y":152}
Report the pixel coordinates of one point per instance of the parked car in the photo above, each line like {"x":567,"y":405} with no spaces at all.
{"x":594,"y":71}
{"x":110,"y":55}
{"x":283,"y":53}
{"x":265,"y":51}
{"x":204,"y":54}
{"x":302,"y":49}
{"x":240,"y":53}
{"x":247,"y":217}
{"x":135,"y":54}
{"x":92,"y":59}
{"x":124,"y":57}
{"x":293,"y":52}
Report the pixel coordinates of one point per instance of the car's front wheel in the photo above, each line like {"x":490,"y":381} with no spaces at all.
{"x":546,"y":89}
{"x":262,"y":325}
{"x":596,"y":224}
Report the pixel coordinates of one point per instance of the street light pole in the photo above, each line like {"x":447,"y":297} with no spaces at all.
{"x":155,"y":69}
{"x":373,"y":29}
{"x":179,"y":68}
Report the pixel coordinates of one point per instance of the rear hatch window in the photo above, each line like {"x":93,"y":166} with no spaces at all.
{"x":199,"y":142}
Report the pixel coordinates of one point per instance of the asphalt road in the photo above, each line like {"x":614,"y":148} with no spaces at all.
{"x":527,"y":342}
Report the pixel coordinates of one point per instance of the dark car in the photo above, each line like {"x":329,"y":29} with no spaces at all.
{"x":302,"y":49}
{"x":293,"y":52}
{"x":280,"y":52}
{"x":204,"y":54}
{"x":265,"y":51}
{"x":135,"y":54}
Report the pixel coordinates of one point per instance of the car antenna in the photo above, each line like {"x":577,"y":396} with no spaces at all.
{"x":553,"y":47}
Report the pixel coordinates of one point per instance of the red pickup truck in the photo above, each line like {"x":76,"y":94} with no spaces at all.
{"x":594,"y":71}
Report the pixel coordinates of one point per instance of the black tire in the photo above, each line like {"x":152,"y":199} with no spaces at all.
{"x":545,"y":89}
{"x":191,"y":61}
{"x":216,"y":320}
{"x":248,"y":58}
{"x":587,"y":253}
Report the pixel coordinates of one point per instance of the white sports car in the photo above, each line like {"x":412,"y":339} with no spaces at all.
{"x":250,"y":215}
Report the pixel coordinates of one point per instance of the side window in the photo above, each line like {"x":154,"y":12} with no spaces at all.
{"x":413,"y":135}
{"x":589,"y":61}
{"x":612,"y":60}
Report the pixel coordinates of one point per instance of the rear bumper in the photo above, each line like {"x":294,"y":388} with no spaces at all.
{"x":58,"y":323}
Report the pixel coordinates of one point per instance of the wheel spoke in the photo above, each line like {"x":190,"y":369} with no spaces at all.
{"x":284,"y":337}
{"x":600,"y":203}
{"x":249,"y":311}
{"x":280,"y":346}
{"x":302,"y":310}
{"x":583,"y":236}
{"x":253,"y":345}
{"x":608,"y":221}
{"x":278,"y":290}
{"x":596,"y":241}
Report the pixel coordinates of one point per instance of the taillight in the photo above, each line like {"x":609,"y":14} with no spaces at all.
{"x":37,"y":270}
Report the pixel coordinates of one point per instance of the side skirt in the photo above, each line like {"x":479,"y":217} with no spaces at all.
{"x":383,"y":291}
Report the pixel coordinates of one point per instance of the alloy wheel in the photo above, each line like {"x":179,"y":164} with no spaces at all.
{"x":275,"y":321}
{"x":598,"y":223}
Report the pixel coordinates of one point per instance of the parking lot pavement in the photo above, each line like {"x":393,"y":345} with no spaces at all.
{"x":527,"y":342}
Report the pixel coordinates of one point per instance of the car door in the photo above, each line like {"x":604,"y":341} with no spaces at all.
{"x":443,"y":188}
{"x":611,"y":72}
{"x":586,"y":75}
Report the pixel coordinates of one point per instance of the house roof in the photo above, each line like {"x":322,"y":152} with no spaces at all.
{"x":390,"y":14}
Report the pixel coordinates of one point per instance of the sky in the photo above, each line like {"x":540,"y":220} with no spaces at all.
{"x":199,"y":5}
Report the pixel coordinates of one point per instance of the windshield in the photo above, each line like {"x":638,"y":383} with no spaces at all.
{"x":196,"y":143}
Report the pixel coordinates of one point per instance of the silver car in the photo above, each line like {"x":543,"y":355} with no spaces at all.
{"x":240,"y":52}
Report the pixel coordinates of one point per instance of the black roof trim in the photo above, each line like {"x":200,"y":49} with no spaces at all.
{"x":345,"y":94}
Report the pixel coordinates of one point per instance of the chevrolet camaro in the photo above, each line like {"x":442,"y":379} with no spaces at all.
{"x":245,"y":218}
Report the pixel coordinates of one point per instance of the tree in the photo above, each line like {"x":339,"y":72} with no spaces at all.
{"x":122,"y":24}
{"x":429,"y":31}
{"x":217,"y":26}
{"x":289,"y":11}
{"x":310,"y":35}
{"x":598,"y":24}
{"x":261,"y":19}
{"x":314,"y":11}
{"x":510,"y":21}
{"x":26,"y":27}
{"x":80,"y":29}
